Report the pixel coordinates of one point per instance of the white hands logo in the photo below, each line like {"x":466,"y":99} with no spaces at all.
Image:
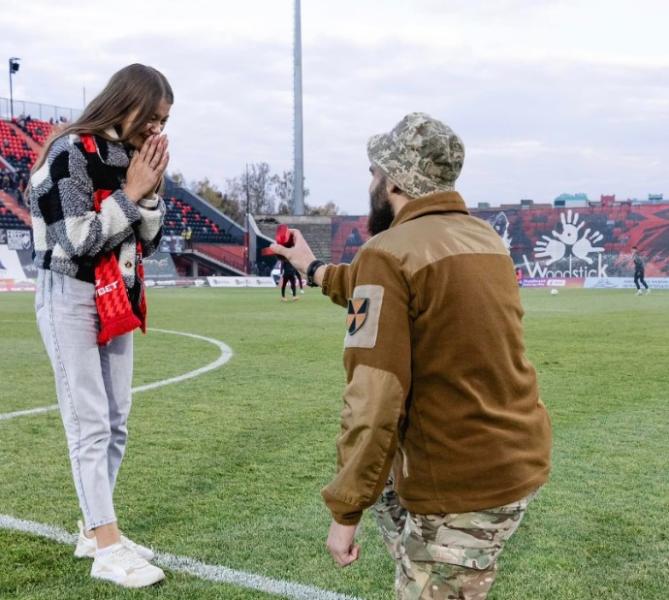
{"x":570,"y":230}
{"x":551,"y":249}
{"x":555,"y":248}
{"x":584,"y":246}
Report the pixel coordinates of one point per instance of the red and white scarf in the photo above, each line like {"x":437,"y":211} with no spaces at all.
{"x":117,"y":314}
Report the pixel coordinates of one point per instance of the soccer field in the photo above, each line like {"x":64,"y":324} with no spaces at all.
{"x":225,"y":468}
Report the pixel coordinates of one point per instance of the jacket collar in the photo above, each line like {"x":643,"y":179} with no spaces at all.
{"x":112,"y":152}
{"x":439,"y":203}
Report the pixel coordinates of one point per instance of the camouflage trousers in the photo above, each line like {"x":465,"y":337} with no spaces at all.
{"x":445,"y":556}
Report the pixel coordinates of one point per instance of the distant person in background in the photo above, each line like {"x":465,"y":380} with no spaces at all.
{"x":639,"y":270}
{"x":95,"y":215}
{"x":187,"y":236}
{"x":288,"y":274}
{"x":21,"y":189}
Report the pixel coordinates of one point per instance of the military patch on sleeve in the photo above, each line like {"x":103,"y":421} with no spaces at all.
{"x":357,"y":314}
{"x":362,"y":319}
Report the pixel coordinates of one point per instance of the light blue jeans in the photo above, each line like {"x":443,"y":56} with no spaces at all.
{"x":93,"y":385}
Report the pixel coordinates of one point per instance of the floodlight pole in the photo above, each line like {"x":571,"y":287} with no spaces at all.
{"x":298,"y":153}
{"x":247,"y":233}
{"x":13,"y":66}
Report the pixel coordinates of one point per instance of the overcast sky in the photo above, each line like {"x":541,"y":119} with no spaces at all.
{"x":549,"y":96}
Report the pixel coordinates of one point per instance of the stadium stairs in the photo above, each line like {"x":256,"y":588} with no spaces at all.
{"x":21,"y":213}
{"x":32,"y":144}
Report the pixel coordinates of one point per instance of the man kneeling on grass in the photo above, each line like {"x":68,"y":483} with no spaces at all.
{"x":442,"y":431}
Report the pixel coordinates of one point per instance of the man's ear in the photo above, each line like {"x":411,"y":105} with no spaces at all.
{"x":391,"y":187}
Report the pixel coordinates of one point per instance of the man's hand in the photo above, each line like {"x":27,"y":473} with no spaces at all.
{"x":300,"y":255}
{"x":341,"y":544}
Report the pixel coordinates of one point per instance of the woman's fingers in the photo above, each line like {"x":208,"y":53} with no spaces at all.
{"x":153,"y":154}
{"x":144,"y":149}
{"x":163,"y":163}
{"x":161,"y":150}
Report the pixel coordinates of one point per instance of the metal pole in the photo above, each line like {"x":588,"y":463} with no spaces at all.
{"x":247,"y":233}
{"x":11,"y":92}
{"x":298,"y":152}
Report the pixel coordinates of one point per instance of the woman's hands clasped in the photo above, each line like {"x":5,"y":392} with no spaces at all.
{"x":147,"y":168}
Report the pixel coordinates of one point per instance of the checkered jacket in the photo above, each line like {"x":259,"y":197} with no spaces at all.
{"x":68,"y":233}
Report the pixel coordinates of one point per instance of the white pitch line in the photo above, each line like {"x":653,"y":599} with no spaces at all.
{"x":225,"y":356}
{"x":190,"y":566}
{"x":25,"y":413}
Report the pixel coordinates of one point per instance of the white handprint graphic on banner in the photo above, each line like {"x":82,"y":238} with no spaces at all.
{"x":570,"y":230}
{"x":555,"y":248}
{"x":584,"y":246}
{"x":551,"y":249}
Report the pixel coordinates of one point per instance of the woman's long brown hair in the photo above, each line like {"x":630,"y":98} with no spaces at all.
{"x":133,"y":88}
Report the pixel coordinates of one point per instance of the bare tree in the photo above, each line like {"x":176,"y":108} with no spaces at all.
{"x":283,"y":186}
{"x":229,"y":206}
{"x":329,"y":209}
{"x":257,"y":184}
{"x":256,"y":190}
{"x":178,"y":178}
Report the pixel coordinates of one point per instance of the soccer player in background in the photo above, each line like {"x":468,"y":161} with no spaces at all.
{"x":288,"y":275}
{"x":443,"y":433}
{"x":639,"y":270}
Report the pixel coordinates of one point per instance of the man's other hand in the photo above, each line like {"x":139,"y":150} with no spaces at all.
{"x":341,"y":544}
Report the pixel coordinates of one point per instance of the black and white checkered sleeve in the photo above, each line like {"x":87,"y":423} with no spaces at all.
{"x":65,"y":202}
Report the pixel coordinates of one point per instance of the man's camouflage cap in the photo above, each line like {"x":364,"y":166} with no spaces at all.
{"x":421,"y":155}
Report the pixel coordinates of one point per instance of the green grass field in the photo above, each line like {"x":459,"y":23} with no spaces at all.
{"x":227,"y":468}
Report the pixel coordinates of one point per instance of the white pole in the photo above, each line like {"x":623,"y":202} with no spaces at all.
{"x":298,"y":153}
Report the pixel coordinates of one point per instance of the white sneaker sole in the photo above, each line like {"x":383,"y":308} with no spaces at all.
{"x":132,"y":582}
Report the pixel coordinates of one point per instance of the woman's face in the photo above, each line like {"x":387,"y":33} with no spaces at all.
{"x":154,"y":126}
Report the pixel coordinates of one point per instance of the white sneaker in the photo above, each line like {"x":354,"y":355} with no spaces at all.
{"x":647,"y":291}
{"x":86,"y":546}
{"x":639,"y":292}
{"x":124,"y":567}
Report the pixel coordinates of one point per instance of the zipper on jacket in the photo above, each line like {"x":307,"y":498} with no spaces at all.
{"x":405,"y":462}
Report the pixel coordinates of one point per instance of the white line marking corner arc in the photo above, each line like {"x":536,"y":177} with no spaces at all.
{"x":224,"y":357}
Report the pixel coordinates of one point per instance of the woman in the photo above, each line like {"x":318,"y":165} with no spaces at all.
{"x":95,"y":215}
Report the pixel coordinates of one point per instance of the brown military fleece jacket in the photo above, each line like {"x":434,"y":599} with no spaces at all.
{"x":438,"y":385}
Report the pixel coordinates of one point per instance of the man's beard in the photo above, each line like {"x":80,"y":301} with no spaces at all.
{"x":380,"y":210}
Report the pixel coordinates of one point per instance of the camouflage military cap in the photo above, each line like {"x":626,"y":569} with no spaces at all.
{"x":421,"y":155}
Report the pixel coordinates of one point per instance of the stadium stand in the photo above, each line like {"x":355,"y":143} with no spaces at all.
{"x":210,"y":226}
{"x":15,"y":148}
{"x":217,"y":241}
{"x":9,"y":206}
{"x":8,"y":220}
{"x":38,"y":130}
{"x":181,"y":215}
